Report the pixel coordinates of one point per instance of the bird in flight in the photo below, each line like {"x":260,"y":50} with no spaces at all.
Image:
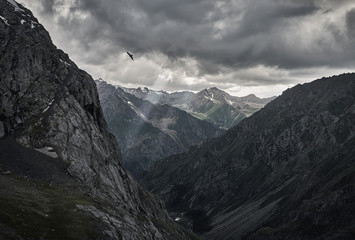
{"x":130,"y":55}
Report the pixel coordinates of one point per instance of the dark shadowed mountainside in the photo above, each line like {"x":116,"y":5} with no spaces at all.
{"x":286,"y":172}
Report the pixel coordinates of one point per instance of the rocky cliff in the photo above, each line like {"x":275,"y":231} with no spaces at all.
{"x":286,"y":172}
{"x":50,"y":107}
{"x":147,"y":132}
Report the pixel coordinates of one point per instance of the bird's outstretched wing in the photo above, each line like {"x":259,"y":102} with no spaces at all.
{"x":130,"y":55}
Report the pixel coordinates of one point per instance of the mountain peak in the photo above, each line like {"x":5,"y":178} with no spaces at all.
{"x":211,"y":104}
{"x":210,"y":91}
{"x":214,"y":89}
{"x":51,"y":108}
{"x":100,"y":80}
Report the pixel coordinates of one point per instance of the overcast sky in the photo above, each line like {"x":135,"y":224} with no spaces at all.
{"x":240,"y":46}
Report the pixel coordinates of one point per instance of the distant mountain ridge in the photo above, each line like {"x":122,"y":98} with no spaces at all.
{"x":286,"y":172}
{"x":147,"y":132}
{"x":211,"y":104}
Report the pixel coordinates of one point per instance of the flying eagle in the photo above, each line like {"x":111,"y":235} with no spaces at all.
{"x":130,"y":55}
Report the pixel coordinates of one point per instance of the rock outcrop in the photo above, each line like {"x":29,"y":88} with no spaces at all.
{"x":50,"y":105}
{"x":286,"y":172}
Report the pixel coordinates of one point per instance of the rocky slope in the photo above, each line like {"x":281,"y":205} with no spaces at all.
{"x":286,"y":172}
{"x":146,"y":132}
{"x":50,"y":109}
{"x":211,"y":104}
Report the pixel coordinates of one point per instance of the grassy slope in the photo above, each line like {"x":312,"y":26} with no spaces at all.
{"x":38,"y":200}
{"x":37,"y":209}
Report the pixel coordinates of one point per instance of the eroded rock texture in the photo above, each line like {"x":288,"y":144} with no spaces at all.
{"x":286,"y":172}
{"x":48,"y":103}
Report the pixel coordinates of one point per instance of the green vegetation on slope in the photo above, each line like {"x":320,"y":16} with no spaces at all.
{"x":35,"y":209}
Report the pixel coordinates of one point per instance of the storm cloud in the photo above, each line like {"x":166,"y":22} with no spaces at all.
{"x":200,"y":43}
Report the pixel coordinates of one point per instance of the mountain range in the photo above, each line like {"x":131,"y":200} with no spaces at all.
{"x":286,"y":172}
{"x":146,"y":132}
{"x":211,"y":104}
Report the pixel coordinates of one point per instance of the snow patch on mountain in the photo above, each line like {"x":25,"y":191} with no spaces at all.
{"x":4,"y":20}
{"x":49,"y":151}
{"x":65,"y":63}
{"x":49,"y":105}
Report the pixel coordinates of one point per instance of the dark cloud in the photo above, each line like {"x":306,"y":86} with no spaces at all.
{"x":253,"y":34}
{"x":48,"y":6}
{"x":221,"y":37}
{"x":266,"y":16}
{"x":350,"y":23}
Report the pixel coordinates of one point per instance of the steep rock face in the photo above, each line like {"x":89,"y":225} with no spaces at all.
{"x":146,"y":132}
{"x":287,"y":172}
{"x":47,"y":103}
{"x":211,"y":104}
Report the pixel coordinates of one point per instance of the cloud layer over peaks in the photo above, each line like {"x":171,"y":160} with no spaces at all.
{"x":203,"y":43}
